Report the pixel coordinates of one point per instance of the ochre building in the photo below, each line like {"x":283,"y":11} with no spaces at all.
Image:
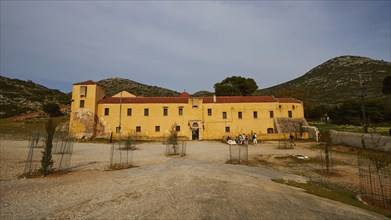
{"x":195,"y":118}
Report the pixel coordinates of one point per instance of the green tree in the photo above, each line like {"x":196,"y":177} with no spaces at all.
{"x":293,"y":92}
{"x":347,"y":113}
{"x":173,"y":138}
{"x":387,"y":85}
{"x":316,"y":112}
{"x":52,"y":109}
{"x":203,"y":94}
{"x":236,"y":86}
{"x":47,"y":159}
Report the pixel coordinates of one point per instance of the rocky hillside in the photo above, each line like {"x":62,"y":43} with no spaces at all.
{"x":332,"y":82}
{"x":18,"y":96}
{"x":116,"y":85}
{"x":337,"y":80}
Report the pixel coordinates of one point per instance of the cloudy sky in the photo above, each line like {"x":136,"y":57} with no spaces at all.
{"x":185,"y":45}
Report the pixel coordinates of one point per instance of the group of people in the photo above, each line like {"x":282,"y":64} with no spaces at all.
{"x":244,"y":139}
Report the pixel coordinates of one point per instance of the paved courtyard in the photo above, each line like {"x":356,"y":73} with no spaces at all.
{"x":200,"y":185}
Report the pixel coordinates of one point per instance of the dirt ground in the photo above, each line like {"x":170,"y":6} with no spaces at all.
{"x":200,"y":185}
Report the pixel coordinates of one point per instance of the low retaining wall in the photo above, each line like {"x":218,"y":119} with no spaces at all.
{"x":280,"y":136}
{"x":371,"y":141}
{"x":313,"y":132}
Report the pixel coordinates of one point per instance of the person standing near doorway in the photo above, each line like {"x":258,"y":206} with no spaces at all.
{"x":255,"y":138}
{"x":292,"y":140}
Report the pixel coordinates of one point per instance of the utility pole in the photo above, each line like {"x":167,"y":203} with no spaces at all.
{"x":120,"y":114}
{"x":363,"y":93}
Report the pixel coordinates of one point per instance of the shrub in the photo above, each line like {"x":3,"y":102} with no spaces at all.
{"x":52,"y":109}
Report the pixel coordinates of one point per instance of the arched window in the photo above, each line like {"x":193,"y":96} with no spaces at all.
{"x":270,"y":131}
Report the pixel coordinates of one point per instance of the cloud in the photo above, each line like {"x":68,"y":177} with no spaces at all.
{"x":185,"y":45}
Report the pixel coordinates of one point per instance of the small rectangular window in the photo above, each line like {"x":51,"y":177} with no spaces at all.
{"x":165,"y":111}
{"x":146,"y":112}
{"x":224,"y":115}
{"x":289,"y":114}
{"x":107,"y":111}
{"x":240,"y":115}
{"x":129,"y":112}
{"x":180,"y":111}
{"x":82,"y":103}
{"x":271,"y":114}
{"x":178,"y":128}
{"x":227,"y":129}
{"x":157,"y":128}
{"x":195,"y":102}
{"x":138,"y":128}
{"x":83,"y":91}
{"x":255,"y":114}
{"x":118,"y":129}
{"x":209,"y":112}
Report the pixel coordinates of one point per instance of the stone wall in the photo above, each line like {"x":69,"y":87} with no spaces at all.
{"x":313,"y":132}
{"x":371,"y":141}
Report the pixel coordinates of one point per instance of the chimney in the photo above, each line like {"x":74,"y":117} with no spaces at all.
{"x":214,"y":98}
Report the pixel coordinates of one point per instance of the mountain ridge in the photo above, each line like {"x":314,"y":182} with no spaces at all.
{"x":332,"y":82}
{"x":18,"y":96}
{"x":338,"y":79}
{"x":115,"y":85}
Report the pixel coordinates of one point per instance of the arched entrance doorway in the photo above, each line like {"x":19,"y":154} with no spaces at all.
{"x":195,"y":131}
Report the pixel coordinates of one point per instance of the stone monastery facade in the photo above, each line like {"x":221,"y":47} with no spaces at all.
{"x":195,"y":118}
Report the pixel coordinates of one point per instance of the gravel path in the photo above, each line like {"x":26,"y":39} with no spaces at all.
{"x":198,"y":186}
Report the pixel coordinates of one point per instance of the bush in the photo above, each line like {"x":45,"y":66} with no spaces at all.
{"x":52,"y":109}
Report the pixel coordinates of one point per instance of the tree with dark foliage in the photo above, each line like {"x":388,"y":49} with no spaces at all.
{"x":236,"y":86}
{"x":52,"y":109}
{"x":387,"y":85}
{"x":47,"y":159}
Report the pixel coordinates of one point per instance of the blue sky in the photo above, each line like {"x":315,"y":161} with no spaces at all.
{"x":185,"y":45}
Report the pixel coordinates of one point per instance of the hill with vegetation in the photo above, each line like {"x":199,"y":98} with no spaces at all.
{"x":116,"y":85}
{"x":336,"y":81}
{"x":18,"y":96}
{"x":324,"y":88}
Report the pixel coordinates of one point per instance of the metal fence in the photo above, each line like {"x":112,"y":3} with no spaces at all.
{"x":375,"y":177}
{"x":176,"y":149}
{"x":121,"y":153}
{"x":61,"y":153}
{"x":238,"y":153}
{"x":326,"y":160}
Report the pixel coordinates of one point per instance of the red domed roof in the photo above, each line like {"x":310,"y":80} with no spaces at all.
{"x":184,"y":94}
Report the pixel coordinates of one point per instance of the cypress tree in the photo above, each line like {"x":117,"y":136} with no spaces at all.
{"x":47,"y":159}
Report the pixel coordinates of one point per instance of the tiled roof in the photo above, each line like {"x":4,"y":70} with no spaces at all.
{"x":288,"y":100}
{"x":146,"y":100}
{"x":239,"y":99}
{"x":184,"y":94}
{"x":219,"y":99}
{"x":88,"y":82}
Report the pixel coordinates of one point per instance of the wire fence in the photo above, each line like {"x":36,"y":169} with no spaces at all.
{"x":176,"y":149}
{"x":238,"y":153}
{"x":121,"y":153}
{"x":326,"y":160}
{"x":375,"y":177}
{"x":61,"y":153}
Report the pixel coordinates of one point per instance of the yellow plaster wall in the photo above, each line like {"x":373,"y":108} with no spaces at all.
{"x":210,"y":127}
{"x":92,"y":121}
{"x":148,"y":123}
{"x":215,"y":125}
{"x":82,"y":120}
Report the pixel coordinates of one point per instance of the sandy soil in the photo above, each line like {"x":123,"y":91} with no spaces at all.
{"x":200,"y":185}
